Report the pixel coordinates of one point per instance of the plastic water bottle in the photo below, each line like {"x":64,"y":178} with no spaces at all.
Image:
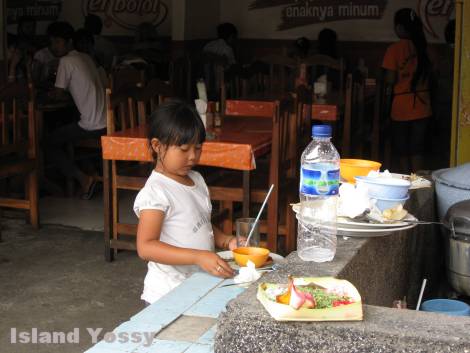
{"x":319,"y":184}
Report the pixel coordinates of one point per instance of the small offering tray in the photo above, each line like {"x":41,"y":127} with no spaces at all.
{"x":350,"y":311}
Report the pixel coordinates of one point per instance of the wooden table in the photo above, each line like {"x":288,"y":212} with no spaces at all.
{"x":184,"y":320}
{"x":236,"y":146}
{"x":46,"y":105}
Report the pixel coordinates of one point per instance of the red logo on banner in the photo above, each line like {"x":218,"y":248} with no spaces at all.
{"x":128,"y":13}
{"x":427,"y":9}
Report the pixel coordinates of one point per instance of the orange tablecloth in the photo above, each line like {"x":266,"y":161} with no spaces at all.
{"x":238,"y":143}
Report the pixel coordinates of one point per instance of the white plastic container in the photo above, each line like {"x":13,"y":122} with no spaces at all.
{"x":318,"y":191}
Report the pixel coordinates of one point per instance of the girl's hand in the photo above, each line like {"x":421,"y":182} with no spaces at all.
{"x":213,"y":264}
{"x":232,"y":244}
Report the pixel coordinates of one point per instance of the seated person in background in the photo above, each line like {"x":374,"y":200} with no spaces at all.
{"x":223,"y":46}
{"x":78,"y":74}
{"x":83,"y":42}
{"x":146,"y":37}
{"x":301,"y":48}
{"x":327,"y":45}
{"x":148,"y":53}
{"x":45,"y":64}
{"x":105,"y":51}
{"x":21,"y":48}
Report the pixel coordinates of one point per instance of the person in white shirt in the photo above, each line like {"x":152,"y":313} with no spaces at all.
{"x":78,"y":74}
{"x":45,"y":63}
{"x":175,"y":234}
{"x":227,"y":34}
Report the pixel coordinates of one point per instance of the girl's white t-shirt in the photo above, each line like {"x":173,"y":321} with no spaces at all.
{"x":187,"y":224}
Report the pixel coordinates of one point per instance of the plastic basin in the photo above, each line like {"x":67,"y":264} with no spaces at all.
{"x":446,"y":306}
{"x":350,"y":168}
{"x":386,"y":188}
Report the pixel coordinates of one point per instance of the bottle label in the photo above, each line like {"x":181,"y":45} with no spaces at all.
{"x":319,"y":182}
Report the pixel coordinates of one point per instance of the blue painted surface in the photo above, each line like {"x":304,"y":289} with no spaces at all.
{"x":200,"y":348}
{"x":208,"y":337}
{"x":100,"y":349}
{"x":171,"y":306}
{"x":214,"y":302}
{"x":197,"y":296}
{"x":164,"y":346}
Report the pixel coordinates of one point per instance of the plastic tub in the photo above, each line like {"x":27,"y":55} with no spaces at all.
{"x":386,"y":188}
{"x":446,"y":306}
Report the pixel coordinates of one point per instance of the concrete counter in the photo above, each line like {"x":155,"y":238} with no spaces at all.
{"x":382,"y":269}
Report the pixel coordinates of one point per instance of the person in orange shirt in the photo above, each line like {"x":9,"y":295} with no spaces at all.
{"x":407,"y":80}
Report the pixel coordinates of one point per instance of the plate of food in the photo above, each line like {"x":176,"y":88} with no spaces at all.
{"x":311,"y":299}
{"x":417,"y":182}
{"x":272,"y":259}
{"x":370,"y":232}
{"x":349,"y":223}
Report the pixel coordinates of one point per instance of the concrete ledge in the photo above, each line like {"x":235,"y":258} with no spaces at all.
{"x":383,"y":269}
{"x":246,"y":328}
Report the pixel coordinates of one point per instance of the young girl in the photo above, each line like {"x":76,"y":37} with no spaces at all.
{"x":407,"y":77}
{"x":175,"y":233}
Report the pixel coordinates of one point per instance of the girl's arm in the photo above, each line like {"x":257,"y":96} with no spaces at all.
{"x":224,"y":241}
{"x":150,"y":248}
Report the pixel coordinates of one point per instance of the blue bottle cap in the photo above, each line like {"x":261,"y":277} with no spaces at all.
{"x":321,"y":130}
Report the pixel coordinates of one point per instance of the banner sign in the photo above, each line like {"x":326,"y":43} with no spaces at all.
{"x":127,"y":14}
{"x":429,"y":9}
{"x":297,"y":13}
{"x":40,"y":10}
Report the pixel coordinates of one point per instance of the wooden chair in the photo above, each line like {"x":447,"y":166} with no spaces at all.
{"x":121,"y":79}
{"x":18,"y":147}
{"x":283,"y":72}
{"x":341,"y":127}
{"x":213,"y":71}
{"x":147,"y":98}
{"x":127,"y":109}
{"x":228,"y":190}
{"x":121,"y":114}
{"x":180,"y":73}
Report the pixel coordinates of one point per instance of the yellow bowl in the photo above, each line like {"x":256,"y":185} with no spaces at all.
{"x":256,"y":255}
{"x":350,"y":168}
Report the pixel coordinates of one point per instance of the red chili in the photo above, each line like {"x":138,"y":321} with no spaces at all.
{"x":341,"y":302}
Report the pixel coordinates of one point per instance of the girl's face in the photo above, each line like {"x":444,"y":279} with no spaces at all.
{"x":176,"y":161}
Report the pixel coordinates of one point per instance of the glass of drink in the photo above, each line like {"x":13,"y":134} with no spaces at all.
{"x":244,"y":226}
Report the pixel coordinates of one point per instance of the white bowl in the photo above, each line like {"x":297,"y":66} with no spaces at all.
{"x":385,"y":188}
{"x":385,"y":204}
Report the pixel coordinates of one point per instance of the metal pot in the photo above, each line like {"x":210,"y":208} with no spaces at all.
{"x":457,"y":225}
{"x":452,"y":186}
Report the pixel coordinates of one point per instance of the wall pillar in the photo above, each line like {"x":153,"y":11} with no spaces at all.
{"x":460,"y":141}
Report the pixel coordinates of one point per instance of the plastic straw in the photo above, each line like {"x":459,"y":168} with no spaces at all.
{"x":421,"y":294}
{"x":259,"y":214}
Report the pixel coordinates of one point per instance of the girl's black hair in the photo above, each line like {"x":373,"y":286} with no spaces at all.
{"x":413,"y":26}
{"x":176,"y":123}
